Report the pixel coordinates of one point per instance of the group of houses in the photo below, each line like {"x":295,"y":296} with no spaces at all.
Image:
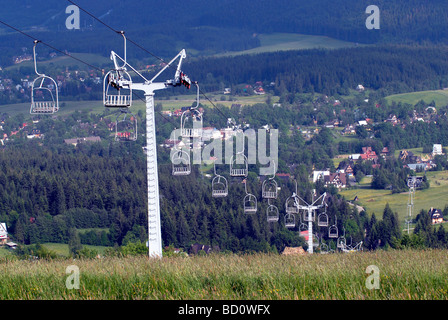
{"x":421,"y":162}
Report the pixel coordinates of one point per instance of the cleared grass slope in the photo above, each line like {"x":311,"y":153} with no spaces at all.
{"x":402,"y":275}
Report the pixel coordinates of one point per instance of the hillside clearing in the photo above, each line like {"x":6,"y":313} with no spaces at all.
{"x":440,"y":97}
{"x":273,"y":42}
{"x":374,"y":201}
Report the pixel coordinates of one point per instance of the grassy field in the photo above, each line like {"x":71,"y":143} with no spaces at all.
{"x":439,"y":96}
{"x":292,"y":41}
{"x":375,"y":200}
{"x":402,"y":275}
{"x":61,"y":249}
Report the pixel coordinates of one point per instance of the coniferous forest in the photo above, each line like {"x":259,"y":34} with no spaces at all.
{"x":49,"y":188}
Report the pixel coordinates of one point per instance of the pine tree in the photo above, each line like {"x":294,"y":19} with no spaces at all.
{"x":74,"y":242}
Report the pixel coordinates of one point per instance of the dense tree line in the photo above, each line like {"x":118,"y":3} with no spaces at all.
{"x":386,"y":69}
{"x":46,"y":196}
{"x":389,"y":69}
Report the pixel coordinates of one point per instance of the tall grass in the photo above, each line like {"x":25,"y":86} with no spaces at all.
{"x":403,"y":275}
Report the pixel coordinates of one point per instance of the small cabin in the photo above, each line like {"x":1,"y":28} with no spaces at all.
{"x":436,"y":215}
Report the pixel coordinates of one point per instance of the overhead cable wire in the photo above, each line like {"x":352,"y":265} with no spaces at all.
{"x":71,"y":56}
{"x":141,"y":47}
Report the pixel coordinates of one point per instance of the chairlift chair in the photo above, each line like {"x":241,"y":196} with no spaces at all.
{"x":290,"y":220}
{"x":333,"y":231}
{"x":126,"y":127}
{"x":239,"y":166}
{"x":117,"y":89}
{"x":272,"y":213}
{"x":117,"y":84}
{"x":191,"y":123}
{"x":324,"y":248}
{"x":302,"y":226}
{"x":341,"y":242}
{"x":322,"y":220}
{"x":269,"y":188}
{"x":191,"y":120}
{"x":250,"y":204}
{"x":291,"y":202}
{"x":44,"y":91}
{"x":250,"y":201}
{"x":308,"y":218}
{"x":219,"y":187}
{"x":290,"y":205}
{"x":181,"y":163}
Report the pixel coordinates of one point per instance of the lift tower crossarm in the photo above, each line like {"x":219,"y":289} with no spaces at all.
{"x":310,"y":208}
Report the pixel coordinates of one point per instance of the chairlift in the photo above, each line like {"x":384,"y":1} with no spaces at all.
{"x":333,"y":231}
{"x":181,"y":163}
{"x":250,"y":204}
{"x":307,"y":217}
{"x":250,"y":201}
{"x":220,"y":187}
{"x":191,"y":121}
{"x":322,"y":220}
{"x":341,"y":242}
{"x":269,"y":188}
{"x":239,"y":166}
{"x":44,"y":91}
{"x":290,"y":205}
{"x":324,"y":249}
{"x":272,"y":213}
{"x":126,"y":126}
{"x":117,"y":89}
{"x":117,"y":85}
{"x":291,"y":202}
{"x":302,"y":226}
{"x":290,"y":220}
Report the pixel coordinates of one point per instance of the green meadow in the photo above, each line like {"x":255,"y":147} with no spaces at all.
{"x":374,"y":201}
{"x":403,"y":275}
{"x":272,"y":42}
{"x":440,"y":97}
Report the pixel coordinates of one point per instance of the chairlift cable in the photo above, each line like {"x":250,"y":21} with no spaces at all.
{"x":73,"y":57}
{"x":142,"y":48}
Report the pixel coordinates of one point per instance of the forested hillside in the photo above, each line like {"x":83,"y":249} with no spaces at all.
{"x":214,"y":26}
{"x":387,"y":69}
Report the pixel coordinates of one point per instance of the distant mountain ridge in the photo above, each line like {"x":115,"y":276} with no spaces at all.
{"x":212,"y":26}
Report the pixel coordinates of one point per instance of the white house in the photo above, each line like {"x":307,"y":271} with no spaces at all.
{"x":437,"y":149}
{"x":362,"y":123}
{"x":318,"y":174}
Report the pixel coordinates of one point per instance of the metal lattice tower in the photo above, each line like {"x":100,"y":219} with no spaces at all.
{"x":410,"y":207}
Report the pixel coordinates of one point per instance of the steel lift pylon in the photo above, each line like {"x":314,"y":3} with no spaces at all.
{"x":149,"y":87}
